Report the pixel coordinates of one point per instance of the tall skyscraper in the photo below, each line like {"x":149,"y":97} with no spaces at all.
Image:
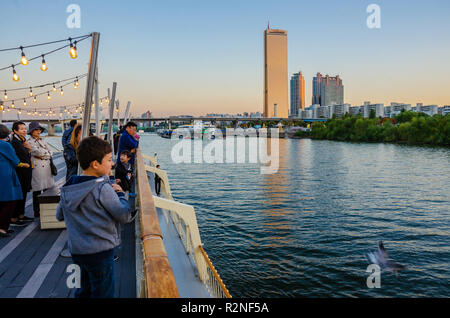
{"x":297,"y":93}
{"x":275,"y":73}
{"x":327,"y":90}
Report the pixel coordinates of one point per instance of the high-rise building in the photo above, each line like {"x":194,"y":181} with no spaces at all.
{"x":297,"y":93}
{"x":275,"y":73}
{"x":327,"y":90}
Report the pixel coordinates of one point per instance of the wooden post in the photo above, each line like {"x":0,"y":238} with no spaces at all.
{"x":111,"y":112}
{"x":90,"y":85}
{"x":97,"y":110}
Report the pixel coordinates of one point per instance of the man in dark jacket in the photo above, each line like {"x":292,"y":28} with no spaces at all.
{"x":23,"y":150}
{"x":128,"y":141}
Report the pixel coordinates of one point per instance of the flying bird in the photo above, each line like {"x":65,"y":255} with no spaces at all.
{"x":381,"y":258}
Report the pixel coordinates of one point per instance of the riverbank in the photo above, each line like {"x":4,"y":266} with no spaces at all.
{"x":406,"y":128}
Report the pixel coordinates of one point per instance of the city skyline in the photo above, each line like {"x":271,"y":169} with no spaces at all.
{"x":153,"y":50}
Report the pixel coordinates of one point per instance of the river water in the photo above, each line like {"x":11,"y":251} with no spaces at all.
{"x":304,"y":230}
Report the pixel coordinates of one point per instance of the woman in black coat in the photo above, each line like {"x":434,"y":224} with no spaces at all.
{"x":23,"y":152}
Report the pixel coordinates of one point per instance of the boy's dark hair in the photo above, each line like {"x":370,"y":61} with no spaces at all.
{"x":126,"y":153}
{"x":130,"y":124}
{"x":157,"y":166}
{"x":73,"y":122}
{"x":16,"y":125}
{"x":4,"y":131}
{"x":92,"y":149}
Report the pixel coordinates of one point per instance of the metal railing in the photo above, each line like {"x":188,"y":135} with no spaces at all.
{"x":184,"y":218}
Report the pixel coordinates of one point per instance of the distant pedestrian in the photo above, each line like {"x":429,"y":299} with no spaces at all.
{"x":157,"y":182}
{"x":22,"y":149}
{"x":124,"y":171}
{"x":42,"y":178}
{"x":70,"y":155}
{"x":11,"y":189}
{"x":93,"y":209}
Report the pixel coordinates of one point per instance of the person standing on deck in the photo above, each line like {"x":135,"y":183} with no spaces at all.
{"x":24,"y":173}
{"x":157,"y":182}
{"x":70,"y":155}
{"x":128,"y":142}
{"x":68,"y":133}
{"x":11,"y":190}
{"x":42,"y":178}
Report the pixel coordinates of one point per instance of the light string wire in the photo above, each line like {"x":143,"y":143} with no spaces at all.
{"x":44,"y":54}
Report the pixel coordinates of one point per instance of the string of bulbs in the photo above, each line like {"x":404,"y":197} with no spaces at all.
{"x":25,"y":61}
{"x":54,"y":89}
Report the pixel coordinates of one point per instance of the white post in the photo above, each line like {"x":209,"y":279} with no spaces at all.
{"x":118,"y":113}
{"x":126,"y":113}
{"x":111,"y":112}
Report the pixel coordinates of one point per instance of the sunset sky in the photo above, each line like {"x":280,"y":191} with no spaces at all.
{"x":198,"y":57}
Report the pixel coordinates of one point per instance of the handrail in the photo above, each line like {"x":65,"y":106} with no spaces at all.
{"x":159,"y":281}
{"x":183,"y":214}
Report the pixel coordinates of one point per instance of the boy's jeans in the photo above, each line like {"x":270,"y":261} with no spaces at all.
{"x":97,"y":275}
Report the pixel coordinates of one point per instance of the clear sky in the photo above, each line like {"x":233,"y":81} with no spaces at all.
{"x":197,"y":57}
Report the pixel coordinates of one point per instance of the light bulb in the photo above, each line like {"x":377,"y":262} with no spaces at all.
{"x":62,"y":92}
{"x":34,"y":99}
{"x":54,"y":88}
{"x":19,"y":112}
{"x":12,"y":105}
{"x":24,"y":60}
{"x":31,"y":92}
{"x":15,"y":76}
{"x":75,"y":85}
{"x":43,"y":65}
{"x":24,"y":102}
{"x":73,"y":51}
{"x":48,"y":96}
{"x":5,"y":96}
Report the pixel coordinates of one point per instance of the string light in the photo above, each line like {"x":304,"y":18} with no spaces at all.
{"x":23,"y":60}
{"x":15,"y":76}
{"x":48,"y":96}
{"x":54,"y":87}
{"x":31,"y":92}
{"x":12,"y":105}
{"x":24,"y":102}
{"x":62,"y":92}
{"x":73,"y":49}
{"x":34,"y":99}
{"x":19,"y":112}
{"x":5,"y":96}
{"x":43,"y":65}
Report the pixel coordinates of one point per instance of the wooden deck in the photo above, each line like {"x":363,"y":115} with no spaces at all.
{"x":30,"y":265}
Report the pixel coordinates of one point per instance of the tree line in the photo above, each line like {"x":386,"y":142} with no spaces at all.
{"x":407,"y":127}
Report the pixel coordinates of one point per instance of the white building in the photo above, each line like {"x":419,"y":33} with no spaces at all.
{"x":377,"y":108}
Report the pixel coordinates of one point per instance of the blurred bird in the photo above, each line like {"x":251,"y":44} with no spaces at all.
{"x":381,"y":258}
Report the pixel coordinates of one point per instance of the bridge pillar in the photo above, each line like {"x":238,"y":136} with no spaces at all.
{"x":170,"y":124}
{"x":51,"y":129}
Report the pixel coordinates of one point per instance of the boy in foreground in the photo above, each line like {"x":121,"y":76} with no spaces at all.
{"x":93,"y":210}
